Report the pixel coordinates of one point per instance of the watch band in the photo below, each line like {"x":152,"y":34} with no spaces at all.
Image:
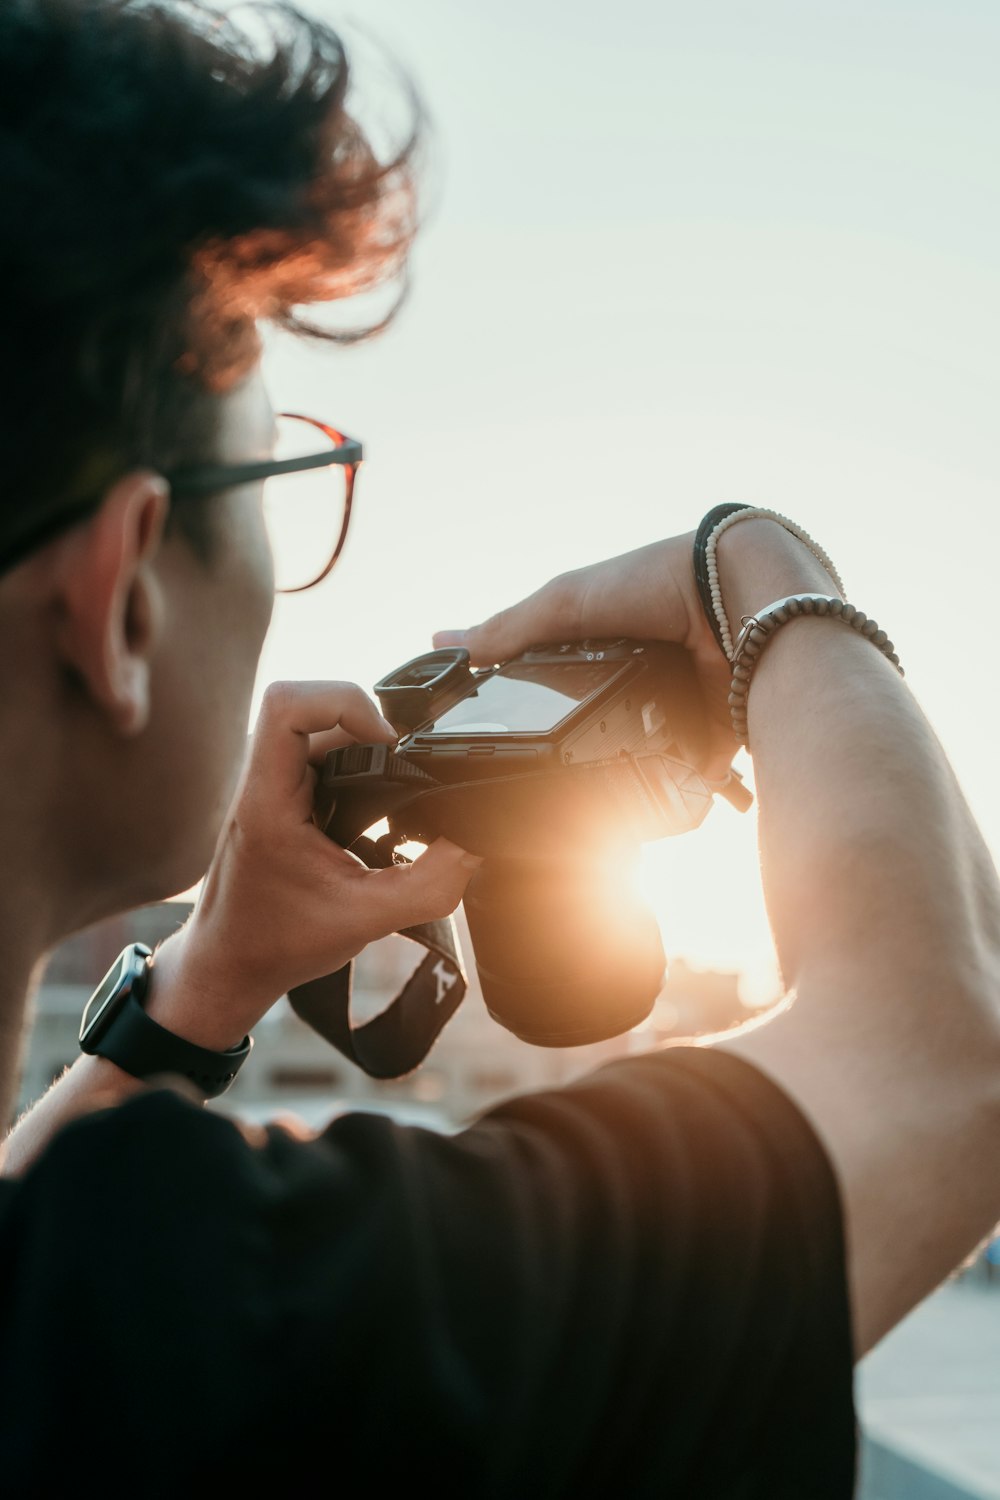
{"x":128,"y":1037}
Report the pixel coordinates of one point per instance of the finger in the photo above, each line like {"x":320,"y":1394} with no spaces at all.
{"x":292,"y":712}
{"x":321,"y":744}
{"x":552,"y":613}
{"x":425,"y":891}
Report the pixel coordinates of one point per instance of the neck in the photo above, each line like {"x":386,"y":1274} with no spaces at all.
{"x":24,"y":943}
{"x":35,"y":915}
{"x":57,"y":791}
{"x":42,"y":901}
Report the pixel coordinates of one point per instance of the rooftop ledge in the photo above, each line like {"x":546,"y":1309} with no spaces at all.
{"x":928,"y":1399}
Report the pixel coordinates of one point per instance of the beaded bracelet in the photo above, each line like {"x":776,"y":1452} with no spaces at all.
{"x":706,"y":565}
{"x":702,"y":535}
{"x":759,"y":628}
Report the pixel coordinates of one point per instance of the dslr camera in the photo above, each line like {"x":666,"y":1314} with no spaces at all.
{"x":554,"y":767}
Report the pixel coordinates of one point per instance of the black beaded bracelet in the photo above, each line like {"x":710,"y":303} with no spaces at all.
{"x":759,"y":628}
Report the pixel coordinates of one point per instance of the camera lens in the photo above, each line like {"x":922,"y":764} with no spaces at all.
{"x":565,"y":953}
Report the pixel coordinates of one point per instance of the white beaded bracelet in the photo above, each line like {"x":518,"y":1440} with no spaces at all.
{"x":759,"y":628}
{"x":749,"y":514}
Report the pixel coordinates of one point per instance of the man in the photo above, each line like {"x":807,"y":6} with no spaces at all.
{"x":652,"y":1282}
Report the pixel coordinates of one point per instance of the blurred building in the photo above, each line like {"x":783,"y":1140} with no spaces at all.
{"x":697,"y":1002}
{"x":475,"y":1063}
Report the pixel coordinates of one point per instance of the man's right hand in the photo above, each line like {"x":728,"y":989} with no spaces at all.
{"x":649,"y":594}
{"x":883,"y":899}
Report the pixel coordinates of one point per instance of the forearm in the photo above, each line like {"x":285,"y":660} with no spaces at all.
{"x":91,"y":1083}
{"x":886,"y":915}
{"x":184,"y":999}
{"x":883,"y":900}
{"x":867,"y":844}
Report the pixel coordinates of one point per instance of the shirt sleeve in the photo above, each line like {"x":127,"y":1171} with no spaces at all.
{"x":631,"y":1286}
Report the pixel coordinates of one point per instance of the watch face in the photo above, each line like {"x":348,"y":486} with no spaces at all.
{"x":103,"y":1003}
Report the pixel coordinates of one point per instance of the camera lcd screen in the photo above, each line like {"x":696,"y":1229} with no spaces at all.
{"x":525,"y":698}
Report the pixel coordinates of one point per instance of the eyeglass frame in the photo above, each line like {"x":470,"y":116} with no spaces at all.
{"x":209,"y":479}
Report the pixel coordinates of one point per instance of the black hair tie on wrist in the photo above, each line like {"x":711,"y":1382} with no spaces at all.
{"x":708,"y":525}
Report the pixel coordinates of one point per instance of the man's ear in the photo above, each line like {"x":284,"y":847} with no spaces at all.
{"x":109,"y":601}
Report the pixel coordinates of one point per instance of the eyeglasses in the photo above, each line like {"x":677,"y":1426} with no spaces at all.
{"x":308,"y":493}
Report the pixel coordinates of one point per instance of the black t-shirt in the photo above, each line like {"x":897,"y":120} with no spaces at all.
{"x":634,"y":1286}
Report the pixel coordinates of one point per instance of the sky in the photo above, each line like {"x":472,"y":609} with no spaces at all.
{"x":677,"y":255}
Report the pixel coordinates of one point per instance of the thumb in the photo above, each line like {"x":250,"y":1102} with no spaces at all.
{"x":425,"y":891}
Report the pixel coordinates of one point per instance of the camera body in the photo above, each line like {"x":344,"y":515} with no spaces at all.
{"x":567,"y":750}
{"x":553,"y":766}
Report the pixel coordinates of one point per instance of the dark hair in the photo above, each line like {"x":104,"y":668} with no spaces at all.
{"x":166,"y":183}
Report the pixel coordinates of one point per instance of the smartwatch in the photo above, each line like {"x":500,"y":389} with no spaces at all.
{"x":115,"y":1026}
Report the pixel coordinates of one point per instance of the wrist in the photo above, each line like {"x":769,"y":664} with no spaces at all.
{"x":759,"y":562}
{"x":101,"y":1082}
{"x":192,"y":994}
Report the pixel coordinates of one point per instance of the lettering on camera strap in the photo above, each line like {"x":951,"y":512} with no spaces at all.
{"x":446,"y":980}
{"x":396,"y":1041}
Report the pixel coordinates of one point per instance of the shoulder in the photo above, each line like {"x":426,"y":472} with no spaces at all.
{"x":667,"y":1226}
{"x":683,"y":1117}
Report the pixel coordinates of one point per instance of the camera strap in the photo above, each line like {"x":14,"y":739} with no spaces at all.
{"x":398,"y":1039}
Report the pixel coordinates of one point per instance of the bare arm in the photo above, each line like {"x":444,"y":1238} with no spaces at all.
{"x":885,"y":911}
{"x":883,"y":900}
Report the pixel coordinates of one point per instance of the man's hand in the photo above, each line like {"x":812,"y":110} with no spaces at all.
{"x":884,"y":903}
{"x":649,"y":594}
{"x":282,"y":904}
